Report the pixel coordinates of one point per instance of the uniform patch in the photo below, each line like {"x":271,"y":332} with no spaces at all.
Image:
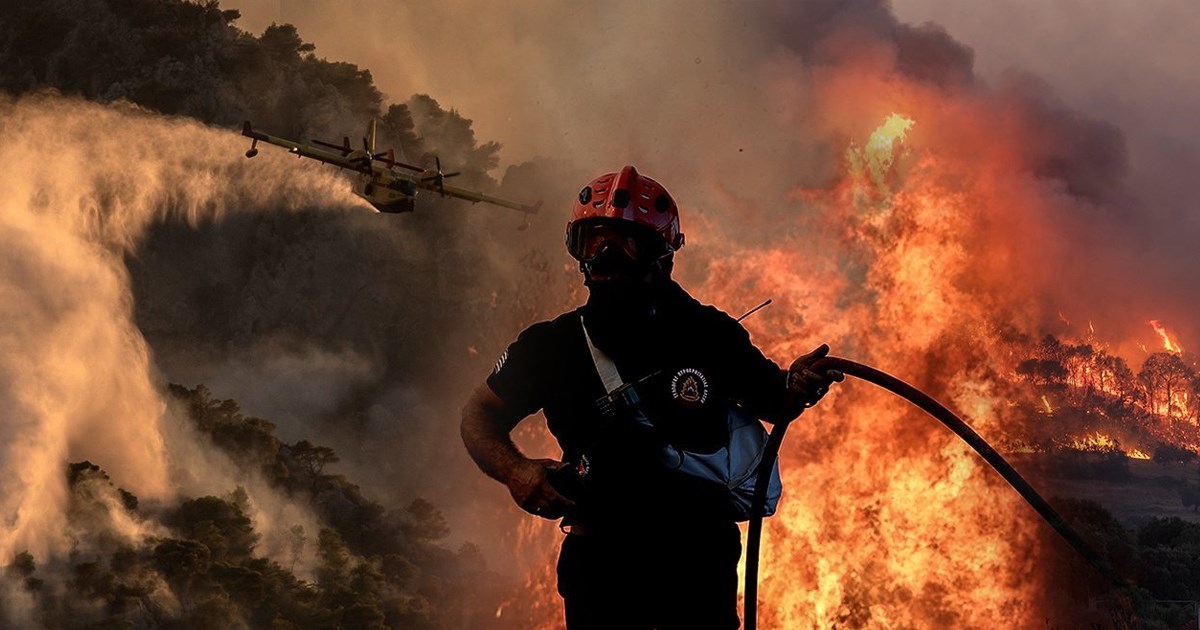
{"x":500,"y":361}
{"x":689,"y":386}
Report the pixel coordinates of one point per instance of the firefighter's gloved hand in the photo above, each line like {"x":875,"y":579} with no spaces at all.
{"x":808,"y":384}
{"x":530,"y":487}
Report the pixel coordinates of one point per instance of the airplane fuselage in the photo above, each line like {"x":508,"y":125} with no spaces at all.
{"x":387,"y":194}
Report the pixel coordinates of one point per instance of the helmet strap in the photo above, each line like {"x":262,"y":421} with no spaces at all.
{"x":665,"y":265}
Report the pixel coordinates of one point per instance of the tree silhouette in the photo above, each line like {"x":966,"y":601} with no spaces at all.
{"x":1166,"y":379}
{"x":1043,"y":371}
{"x":181,"y":561}
{"x":1113,"y":375}
{"x":423,"y":522}
{"x":312,"y":460}
{"x":1171,"y":454}
{"x":219,"y":525}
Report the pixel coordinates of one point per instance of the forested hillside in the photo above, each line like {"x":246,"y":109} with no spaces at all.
{"x":204,"y":561}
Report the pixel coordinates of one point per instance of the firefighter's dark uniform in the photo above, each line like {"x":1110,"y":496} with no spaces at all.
{"x":650,"y":547}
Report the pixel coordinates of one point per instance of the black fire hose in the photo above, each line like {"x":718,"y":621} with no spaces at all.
{"x":956,"y":424}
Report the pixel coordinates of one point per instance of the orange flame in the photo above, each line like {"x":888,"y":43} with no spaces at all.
{"x":1168,"y":344}
{"x":1099,"y":442}
{"x":1094,"y":442}
{"x":866,"y":534}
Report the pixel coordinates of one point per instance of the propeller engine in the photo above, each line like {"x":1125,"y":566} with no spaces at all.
{"x":439,"y":176}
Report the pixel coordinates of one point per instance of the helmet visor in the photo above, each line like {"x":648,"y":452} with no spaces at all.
{"x":587,"y":239}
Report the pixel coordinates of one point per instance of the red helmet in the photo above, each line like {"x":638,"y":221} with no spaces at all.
{"x":616,"y":198}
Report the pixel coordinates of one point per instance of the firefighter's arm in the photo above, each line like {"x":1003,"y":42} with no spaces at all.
{"x":487,"y":423}
{"x":768,"y":391}
{"x":806,"y":384}
{"x":778,"y":395}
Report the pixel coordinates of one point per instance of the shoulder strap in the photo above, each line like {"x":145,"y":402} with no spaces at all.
{"x":604,"y":365}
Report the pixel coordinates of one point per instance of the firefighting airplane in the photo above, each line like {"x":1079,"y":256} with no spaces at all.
{"x":379,"y":180}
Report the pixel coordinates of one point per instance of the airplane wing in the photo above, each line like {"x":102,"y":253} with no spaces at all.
{"x":303,"y":150}
{"x":474,"y":196}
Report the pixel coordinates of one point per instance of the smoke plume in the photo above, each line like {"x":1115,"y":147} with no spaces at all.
{"x":84,"y":183}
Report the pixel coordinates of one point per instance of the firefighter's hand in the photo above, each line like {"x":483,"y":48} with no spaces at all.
{"x":530,"y":487}
{"x":807,"y":384}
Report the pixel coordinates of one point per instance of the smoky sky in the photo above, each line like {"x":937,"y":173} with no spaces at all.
{"x":690,"y":92}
